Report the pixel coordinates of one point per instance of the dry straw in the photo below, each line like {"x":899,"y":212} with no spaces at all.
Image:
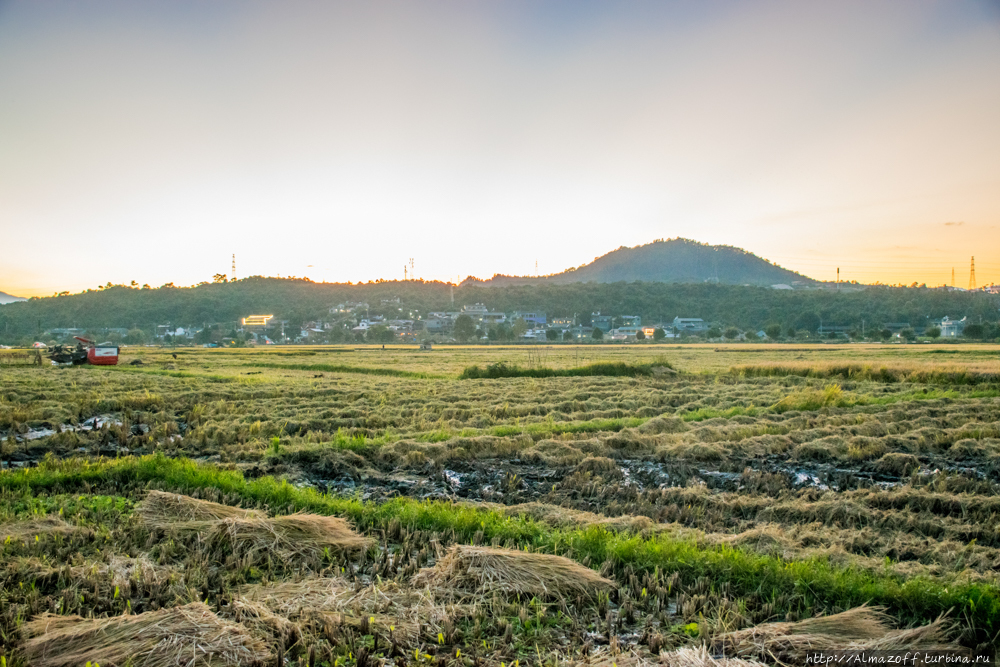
{"x":161,"y":509}
{"x":249,"y":532}
{"x":271,"y":607}
{"x":29,"y":530}
{"x":189,"y":636}
{"x":862,"y":628}
{"x":484,"y":570}
{"x":683,"y":657}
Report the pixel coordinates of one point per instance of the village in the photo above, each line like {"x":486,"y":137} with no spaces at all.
{"x":387,"y":323}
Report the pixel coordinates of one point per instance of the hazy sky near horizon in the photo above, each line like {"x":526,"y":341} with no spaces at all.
{"x":150,"y":141}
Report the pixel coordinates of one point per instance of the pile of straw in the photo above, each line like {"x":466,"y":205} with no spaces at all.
{"x":683,"y":657}
{"x":191,"y":636}
{"x":861,"y":628}
{"x":292,"y":535}
{"x":249,"y":533}
{"x":161,"y":510}
{"x":22,"y":531}
{"x":271,"y":607}
{"x":484,"y":570}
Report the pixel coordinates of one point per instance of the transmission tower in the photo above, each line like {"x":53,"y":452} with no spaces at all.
{"x":972,"y":273}
{"x":234,"y":266}
{"x":953,"y":277}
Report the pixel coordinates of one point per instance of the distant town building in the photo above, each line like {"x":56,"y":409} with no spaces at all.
{"x":475,"y":311}
{"x":630,"y":321}
{"x":602,"y":322}
{"x":690,"y":324}
{"x":951,"y":328}
{"x":532,"y":317}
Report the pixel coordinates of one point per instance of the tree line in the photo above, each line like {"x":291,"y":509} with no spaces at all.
{"x":299,"y":300}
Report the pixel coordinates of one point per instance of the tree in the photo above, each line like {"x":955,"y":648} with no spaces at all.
{"x":773,"y":331}
{"x":465,"y":328}
{"x":567,"y":335}
{"x":908,"y":334}
{"x":519,"y":328}
{"x":659,"y":334}
{"x":932,"y":332}
{"x":220,"y":278}
{"x":732,"y":333}
{"x":640,"y":335}
{"x":135,"y":337}
{"x":597,"y":334}
{"x":380,"y":334}
{"x":791,"y":333}
{"x":885,"y":334}
{"x":551,"y":334}
{"x":714,"y":332}
{"x":975,"y":331}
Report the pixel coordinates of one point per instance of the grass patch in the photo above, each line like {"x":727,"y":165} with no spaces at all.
{"x":811,"y":584}
{"x":341,"y":368}
{"x":503,"y":369}
{"x":871,"y":373}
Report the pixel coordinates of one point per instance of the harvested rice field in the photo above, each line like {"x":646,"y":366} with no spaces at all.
{"x":592,"y":505}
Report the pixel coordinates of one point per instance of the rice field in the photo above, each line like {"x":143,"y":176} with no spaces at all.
{"x":648,"y":504}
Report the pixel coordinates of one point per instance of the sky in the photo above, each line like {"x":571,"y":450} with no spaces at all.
{"x":151,"y":141}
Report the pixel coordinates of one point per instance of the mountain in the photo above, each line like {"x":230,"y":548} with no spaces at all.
{"x":671,"y":261}
{"x":9,"y":298}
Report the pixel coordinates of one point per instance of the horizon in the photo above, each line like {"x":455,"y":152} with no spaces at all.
{"x":336,"y":142}
{"x":460,"y":280}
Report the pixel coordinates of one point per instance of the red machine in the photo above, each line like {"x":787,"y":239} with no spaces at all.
{"x":105,"y":354}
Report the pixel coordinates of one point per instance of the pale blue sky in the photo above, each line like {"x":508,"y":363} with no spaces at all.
{"x":336,"y":140}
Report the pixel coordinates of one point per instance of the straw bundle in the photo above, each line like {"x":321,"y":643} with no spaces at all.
{"x":333,"y":600}
{"x":288,"y":536}
{"x":483,"y":570}
{"x":249,"y":532}
{"x":28,"y":530}
{"x":161,"y":509}
{"x":683,"y":657}
{"x":191,"y":636}
{"x":862,"y":628}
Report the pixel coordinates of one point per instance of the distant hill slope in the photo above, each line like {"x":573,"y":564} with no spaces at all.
{"x":10,"y":298}
{"x":673,"y":261}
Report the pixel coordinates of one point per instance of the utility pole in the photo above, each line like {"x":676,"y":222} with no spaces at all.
{"x":972,"y":274}
{"x":838,"y":278}
{"x":404,"y":272}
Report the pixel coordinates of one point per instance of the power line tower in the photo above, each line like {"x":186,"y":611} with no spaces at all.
{"x":972,"y":274}
{"x":404,"y":273}
{"x":953,"y":277}
{"x":411,"y":269}
{"x":234,"y":266}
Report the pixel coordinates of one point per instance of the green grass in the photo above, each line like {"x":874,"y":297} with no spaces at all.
{"x":813,"y":583}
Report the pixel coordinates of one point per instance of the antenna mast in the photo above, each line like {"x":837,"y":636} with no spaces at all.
{"x":972,"y":274}
{"x":234,"y":266}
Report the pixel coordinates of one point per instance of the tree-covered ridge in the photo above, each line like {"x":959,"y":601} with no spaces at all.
{"x":672,"y":261}
{"x":299,"y":301}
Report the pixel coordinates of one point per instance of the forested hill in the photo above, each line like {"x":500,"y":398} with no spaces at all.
{"x":298,"y":301}
{"x":672,"y":261}
{"x":9,"y":298}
